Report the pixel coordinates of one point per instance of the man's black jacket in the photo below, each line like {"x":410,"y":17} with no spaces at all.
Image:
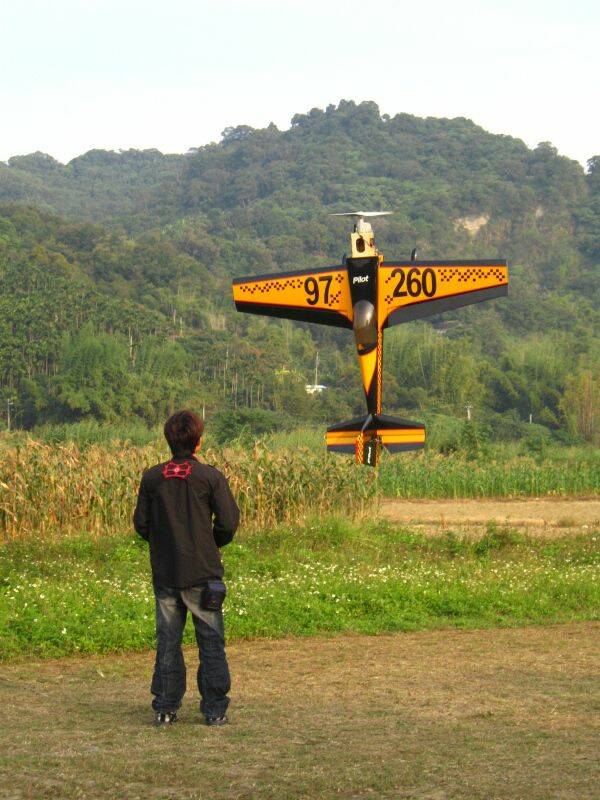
{"x":186,"y":511}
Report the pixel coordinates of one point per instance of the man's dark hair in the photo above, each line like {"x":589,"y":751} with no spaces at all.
{"x":183,"y":430}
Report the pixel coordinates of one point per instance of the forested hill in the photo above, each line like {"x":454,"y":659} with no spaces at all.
{"x":99,"y":185}
{"x":141,"y":248}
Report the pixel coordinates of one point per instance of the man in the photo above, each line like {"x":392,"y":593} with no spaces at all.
{"x":186,"y":511}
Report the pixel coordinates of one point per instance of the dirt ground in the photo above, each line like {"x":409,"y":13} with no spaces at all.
{"x":440,"y":715}
{"x":546,"y":517}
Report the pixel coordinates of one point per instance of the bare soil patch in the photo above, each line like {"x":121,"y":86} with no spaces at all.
{"x":433,"y":715}
{"x":546,"y":516}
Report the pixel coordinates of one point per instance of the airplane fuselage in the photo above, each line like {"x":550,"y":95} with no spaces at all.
{"x":362,"y":279}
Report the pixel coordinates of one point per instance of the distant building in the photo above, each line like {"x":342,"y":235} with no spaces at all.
{"x":311,"y":388}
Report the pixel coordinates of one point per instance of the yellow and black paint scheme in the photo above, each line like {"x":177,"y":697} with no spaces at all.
{"x":368,"y":295}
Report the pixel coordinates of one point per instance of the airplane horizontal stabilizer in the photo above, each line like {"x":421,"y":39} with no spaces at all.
{"x":365,"y":436}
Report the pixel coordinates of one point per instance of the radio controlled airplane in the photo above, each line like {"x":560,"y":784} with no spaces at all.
{"x":367,"y":294}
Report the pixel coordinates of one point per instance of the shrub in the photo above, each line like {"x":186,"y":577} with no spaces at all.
{"x":243,"y":424}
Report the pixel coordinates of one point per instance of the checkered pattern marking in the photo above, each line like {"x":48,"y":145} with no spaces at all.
{"x":255,"y":289}
{"x":379,"y":369}
{"x":468,"y":274}
{"x":269,"y":286}
{"x":358,"y":448}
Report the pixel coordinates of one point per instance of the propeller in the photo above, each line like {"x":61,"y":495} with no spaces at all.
{"x":362,"y":226}
{"x":361,"y":213}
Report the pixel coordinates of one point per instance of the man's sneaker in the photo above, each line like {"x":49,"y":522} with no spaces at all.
{"x":222,"y":720}
{"x":160,"y":720}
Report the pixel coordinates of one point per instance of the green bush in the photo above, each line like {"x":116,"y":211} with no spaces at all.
{"x":244,"y":424}
{"x":536,"y":440}
{"x":89,"y":432}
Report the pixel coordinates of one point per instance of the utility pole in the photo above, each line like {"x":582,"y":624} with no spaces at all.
{"x":9,"y":403}
{"x":317,"y":369}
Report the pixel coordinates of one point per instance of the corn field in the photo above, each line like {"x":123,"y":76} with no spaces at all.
{"x":53,"y":490}
{"x":569,"y":473}
{"x":56,"y":490}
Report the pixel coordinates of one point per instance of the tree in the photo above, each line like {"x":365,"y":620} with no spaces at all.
{"x":94,"y":379}
{"x":581,"y":405}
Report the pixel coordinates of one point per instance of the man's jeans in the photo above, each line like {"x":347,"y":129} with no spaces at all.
{"x":168,"y":682}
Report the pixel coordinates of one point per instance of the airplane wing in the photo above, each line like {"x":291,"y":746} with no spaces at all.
{"x":409,"y":290}
{"x":314,"y":295}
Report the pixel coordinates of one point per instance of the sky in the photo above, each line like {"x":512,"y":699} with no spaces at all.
{"x":117,"y":74}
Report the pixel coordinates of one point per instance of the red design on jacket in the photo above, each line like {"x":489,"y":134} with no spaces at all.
{"x":174,"y":470}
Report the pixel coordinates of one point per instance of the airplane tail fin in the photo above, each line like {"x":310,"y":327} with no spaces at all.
{"x":365,"y":436}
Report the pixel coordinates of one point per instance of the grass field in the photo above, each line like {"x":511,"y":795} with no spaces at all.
{"x":456,"y":715}
{"x":454,"y":699}
{"x":93,"y":594}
